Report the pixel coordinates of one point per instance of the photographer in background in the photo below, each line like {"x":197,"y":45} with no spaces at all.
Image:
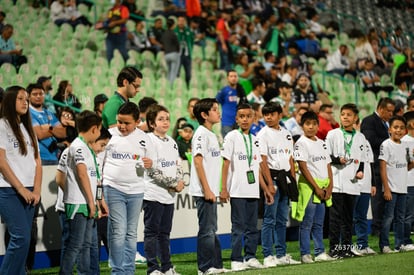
{"x":45,"y":125}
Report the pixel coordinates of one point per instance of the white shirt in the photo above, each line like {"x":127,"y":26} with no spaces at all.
{"x":365,"y":182}
{"x":62,"y":167}
{"x":122,"y":154}
{"x":79,"y":153}
{"x":234,"y":150}
{"x":409,"y":141}
{"x":337,"y":61}
{"x":23,"y":166}
{"x":344,"y":175}
{"x":252,"y":98}
{"x":315,"y":154}
{"x":167,"y":159}
{"x":277,"y":145}
{"x":394,"y":154}
{"x":205,"y":143}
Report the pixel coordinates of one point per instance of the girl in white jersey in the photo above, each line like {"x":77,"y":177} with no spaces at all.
{"x":20,"y":177}
{"x":394,"y":176}
{"x":159,"y":193}
{"x":128,"y":148}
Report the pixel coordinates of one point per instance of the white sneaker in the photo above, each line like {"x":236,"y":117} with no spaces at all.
{"x":408,"y":247}
{"x":269,"y":261}
{"x":171,"y":271}
{"x":323,"y":257}
{"x":139,"y":259}
{"x":306,"y":259}
{"x":364,"y":251}
{"x":287,"y":259}
{"x":213,"y":270}
{"x":238,"y":266}
{"x":156,"y":272}
{"x":253,"y":263}
{"x":388,"y":250}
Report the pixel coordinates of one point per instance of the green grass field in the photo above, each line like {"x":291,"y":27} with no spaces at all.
{"x":397,"y":263}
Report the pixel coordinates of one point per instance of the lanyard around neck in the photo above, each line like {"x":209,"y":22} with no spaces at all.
{"x":348,"y":145}
{"x":98,"y":175}
{"x":249,"y":150}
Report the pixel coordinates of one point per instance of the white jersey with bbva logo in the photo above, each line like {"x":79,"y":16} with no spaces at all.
{"x":394,"y":154}
{"x":121,"y":155}
{"x":166,"y":160}
{"x":205,"y":143}
{"x":79,"y":153}
{"x":344,"y":180}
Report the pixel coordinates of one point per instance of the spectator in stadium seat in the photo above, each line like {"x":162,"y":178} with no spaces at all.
{"x":338,"y":62}
{"x":155,"y":33}
{"x":405,"y":73}
{"x":371,"y":81}
{"x":99,"y":103}
{"x":138,"y":40}
{"x":274,"y":41}
{"x":65,"y":95}
{"x":2,"y":17}
{"x":61,"y":13}
{"x":45,"y":82}
{"x":9,"y":53}
{"x":398,"y":41}
{"x":363,"y":51}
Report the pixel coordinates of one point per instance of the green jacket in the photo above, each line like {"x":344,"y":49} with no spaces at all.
{"x":186,"y":36}
{"x":305,"y":193}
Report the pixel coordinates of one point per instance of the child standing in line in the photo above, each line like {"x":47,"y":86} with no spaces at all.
{"x":276,"y":149}
{"x":205,"y":185}
{"x":347,"y":149}
{"x":159,"y":193}
{"x":409,"y":210}
{"x":82,"y":191}
{"x":240,"y":184}
{"x":367,"y":189}
{"x":315,"y":188}
{"x":124,"y":188}
{"x":98,"y":146}
{"x":394,"y":176}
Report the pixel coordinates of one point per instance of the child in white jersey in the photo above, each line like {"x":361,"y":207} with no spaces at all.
{"x":98,"y":146}
{"x":205,"y":185}
{"x":347,"y":149}
{"x":409,"y":210}
{"x":315,"y":188}
{"x":276,"y":150}
{"x":81,"y":194}
{"x":394,"y":176}
{"x":160,"y":192}
{"x":240,"y":184}
{"x":129,"y":152}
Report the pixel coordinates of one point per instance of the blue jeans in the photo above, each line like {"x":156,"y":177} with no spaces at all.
{"x":244,"y":222}
{"x":77,"y":246}
{"x":18,"y":217}
{"x":312,"y":224}
{"x":208,"y":244}
{"x":393,"y":210}
{"x":225,"y":63}
{"x":158,"y":223}
{"x":124,"y":210}
{"x":173,"y":63}
{"x":360,"y":219}
{"x":65,"y":232}
{"x":409,"y":215}
{"x":275,"y":218}
{"x":115,"y":41}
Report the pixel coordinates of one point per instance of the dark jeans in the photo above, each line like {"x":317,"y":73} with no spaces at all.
{"x":340,"y":221}
{"x":158,"y":223}
{"x":244,"y":222}
{"x":409,"y":215}
{"x":116,"y":41}
{"x":377,"y":205}
{"x":186,"y":63}
{"x":208,"y":244}
{"x":360,"y":219}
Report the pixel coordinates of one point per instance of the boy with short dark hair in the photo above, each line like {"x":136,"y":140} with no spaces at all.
{"x":81,"y":193}
{"x":205,"y":185}
{"x":315,"y":188}
{"x":346,"y":147}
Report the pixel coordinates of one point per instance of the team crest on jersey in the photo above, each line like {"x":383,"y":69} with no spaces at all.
{"x":324,"y":146}
{"x":361,"y":147}
{"x":256,"y":143}
{"x":175,"y":147}
{"x":289,"y":137}
{"x":142,"y":143}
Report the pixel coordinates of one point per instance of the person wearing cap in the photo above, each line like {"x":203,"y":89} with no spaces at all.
{"x":45,"y":125}
{"x":185,"y":134}
{"x":128,"y":82}
{"x":46,"y":84}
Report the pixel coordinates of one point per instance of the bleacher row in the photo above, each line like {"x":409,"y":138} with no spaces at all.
{"x":79,"y":56}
